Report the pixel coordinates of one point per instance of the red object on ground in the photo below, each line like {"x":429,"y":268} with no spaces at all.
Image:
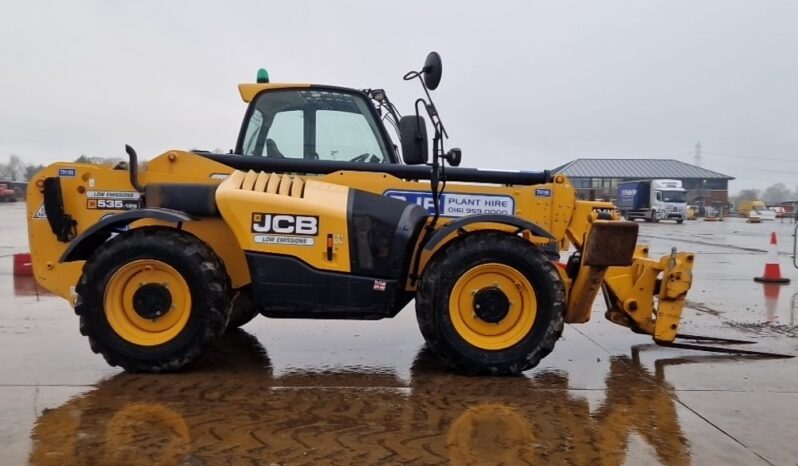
{"x":772,"y":268}
{"x":23,"y":265}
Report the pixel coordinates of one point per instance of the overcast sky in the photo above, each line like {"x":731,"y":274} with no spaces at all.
{"x":526,"y":85}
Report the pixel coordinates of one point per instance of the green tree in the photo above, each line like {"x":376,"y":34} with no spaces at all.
{"x":776,"y":194}
{"x":98,"y":160}
{"x":31,"y":170}
{"x":748,"y":195}
{"x":14,"y":170}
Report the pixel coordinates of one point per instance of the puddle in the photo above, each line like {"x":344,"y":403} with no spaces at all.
{"x":231,"y":409}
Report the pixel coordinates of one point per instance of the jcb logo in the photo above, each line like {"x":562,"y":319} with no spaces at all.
{"x":285,"y":224}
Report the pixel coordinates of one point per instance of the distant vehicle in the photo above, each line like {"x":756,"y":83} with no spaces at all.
{"x":780,"y":212}
{"x":789,"y":208}
{"x":7,"y":194}
{"x":762,"y":214}
{"x":691,"y":212}
{"x":652,"y":200}
{"x":745,"y":207}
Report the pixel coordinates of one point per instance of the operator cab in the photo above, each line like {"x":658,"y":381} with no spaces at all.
{"x":312,"y":123}
{"x":318,"y":130}
{"x":339,"y":126}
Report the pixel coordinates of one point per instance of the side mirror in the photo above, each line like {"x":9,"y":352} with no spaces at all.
{"x":433,"y":68}
{"x":413,"y":134}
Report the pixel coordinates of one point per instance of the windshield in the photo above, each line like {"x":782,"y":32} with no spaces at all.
{"x":674,"y":196}
{"x":313,"y":124}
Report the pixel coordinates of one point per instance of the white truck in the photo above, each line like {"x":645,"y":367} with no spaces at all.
{"x":652,"y":200}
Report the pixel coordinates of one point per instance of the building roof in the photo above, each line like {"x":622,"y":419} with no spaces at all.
{"x":636,"y":168}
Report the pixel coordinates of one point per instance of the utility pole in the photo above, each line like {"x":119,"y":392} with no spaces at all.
{"x":698,"y":154}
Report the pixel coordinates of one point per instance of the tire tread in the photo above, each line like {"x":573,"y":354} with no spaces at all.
{"x":448,"y":260}
{"x":213,"y":276}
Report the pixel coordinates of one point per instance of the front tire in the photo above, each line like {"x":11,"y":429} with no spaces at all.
{"x":153,"y":299}
{"x":491,"y":303}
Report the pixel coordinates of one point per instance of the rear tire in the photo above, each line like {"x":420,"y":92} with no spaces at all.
{"x":482,"y":264}
{"x":186,"y":305}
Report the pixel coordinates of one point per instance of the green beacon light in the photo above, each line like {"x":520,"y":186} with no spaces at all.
{"x":263,"y":76}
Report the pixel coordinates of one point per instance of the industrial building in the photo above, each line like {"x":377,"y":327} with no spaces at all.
{"x":599,"y":178}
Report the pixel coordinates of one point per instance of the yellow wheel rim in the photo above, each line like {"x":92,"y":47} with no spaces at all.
{"x":517,"y":322}
{"x":492,"y":433}
{"x":146,"y":427}
{"x":124,"y":319}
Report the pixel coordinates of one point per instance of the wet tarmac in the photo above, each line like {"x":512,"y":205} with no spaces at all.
{"x":322,"y":392}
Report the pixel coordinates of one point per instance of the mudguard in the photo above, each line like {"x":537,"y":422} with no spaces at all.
{"x":462,"y":222}
{"x":81,"y":247}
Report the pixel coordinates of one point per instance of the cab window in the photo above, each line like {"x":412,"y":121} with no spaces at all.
{"x":313,"y":124}
{"x":286,"y":130}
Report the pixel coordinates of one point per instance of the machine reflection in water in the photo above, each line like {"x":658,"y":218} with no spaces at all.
{"x":230,"y":409}
{"x":27,"y":286}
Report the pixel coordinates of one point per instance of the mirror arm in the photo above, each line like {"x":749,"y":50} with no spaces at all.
{"x":437,"y":144}
{"x":431,"y":116}
{"x":432,"y":110}
{"x":437,"y":141}
{"x":411,"y":75}
{"x":435,"y":178}
{"x":440,"y":131}
{"x":429,"y":104}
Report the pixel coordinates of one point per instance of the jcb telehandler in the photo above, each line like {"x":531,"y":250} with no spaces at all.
{"x":313,"y":215}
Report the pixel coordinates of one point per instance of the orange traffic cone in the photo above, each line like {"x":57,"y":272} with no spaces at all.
{"x":772,"y":268}
{"x":771,"y":301}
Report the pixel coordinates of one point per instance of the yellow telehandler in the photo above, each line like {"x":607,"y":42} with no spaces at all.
{"x":314,"y":215}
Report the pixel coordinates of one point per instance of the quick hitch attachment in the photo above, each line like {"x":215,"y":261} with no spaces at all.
{"x":649,"y":295}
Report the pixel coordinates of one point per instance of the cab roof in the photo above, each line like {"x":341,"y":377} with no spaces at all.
{"x":248,"y":91}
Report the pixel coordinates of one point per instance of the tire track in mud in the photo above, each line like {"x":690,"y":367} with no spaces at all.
{"x":765,"y":329}
{"x":708,"y":243}
{"x":756,"y":329}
